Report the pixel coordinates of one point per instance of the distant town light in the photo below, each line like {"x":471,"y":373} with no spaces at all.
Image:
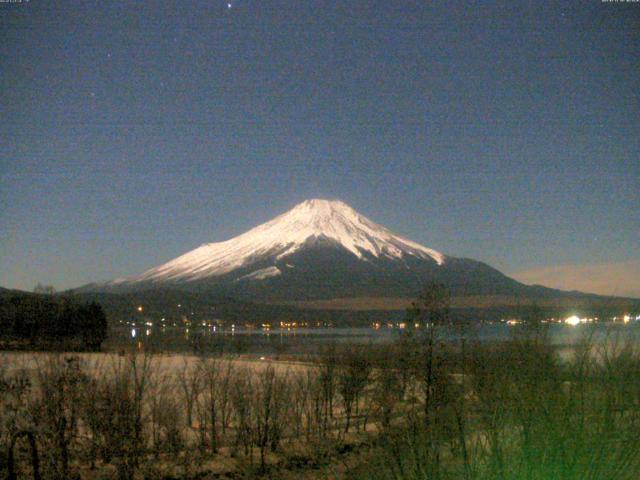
{"x":133,"y":333}
{"x":140,"y":308}
{"x":572,"y":320}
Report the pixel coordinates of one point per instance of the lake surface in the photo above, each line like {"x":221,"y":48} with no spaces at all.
{"x":307,"y":340}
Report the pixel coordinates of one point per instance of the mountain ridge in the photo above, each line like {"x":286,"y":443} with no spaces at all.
{"x":322,"y":250}
{"x":310,"y":223}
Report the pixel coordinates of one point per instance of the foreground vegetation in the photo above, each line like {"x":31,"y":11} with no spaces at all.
{"x":417,"y":409}
{"x":514,"y":411}
{"x":421,"y":408}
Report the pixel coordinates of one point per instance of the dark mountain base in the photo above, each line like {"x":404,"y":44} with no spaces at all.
{"x":179,"y":306}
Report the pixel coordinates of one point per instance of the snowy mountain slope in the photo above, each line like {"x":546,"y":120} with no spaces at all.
{"x":320,"y":249}
{"x":312,"y":220}
{"x":261,"y":274}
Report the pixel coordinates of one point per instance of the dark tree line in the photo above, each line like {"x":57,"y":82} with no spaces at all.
{"x":37,"y":319}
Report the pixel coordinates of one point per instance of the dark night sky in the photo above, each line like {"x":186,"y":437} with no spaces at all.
{"x":132,"y":132}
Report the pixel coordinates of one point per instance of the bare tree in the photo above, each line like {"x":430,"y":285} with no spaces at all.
{"x":190,"y":382}
{"x":327,"y":381}
{"x":241,"y":393}
{"x":166,"y":416}
{"x":430,"y":311}
{"x":224,"y":396}
{"x":387,"y":394}
{"x":268,"y":408}
{"x":353,"y":376}
{"x":62,"y":383}
{"x":300,"y":395}
{"x":35,"y":460}
{"x":214,"y":389}
{"x":116,"y":416}
{"x":44,"y":289}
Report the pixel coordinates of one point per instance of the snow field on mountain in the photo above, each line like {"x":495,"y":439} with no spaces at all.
{"x":315,"y":219}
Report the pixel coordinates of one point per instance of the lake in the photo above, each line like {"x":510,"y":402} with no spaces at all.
{"x":308,"y":340}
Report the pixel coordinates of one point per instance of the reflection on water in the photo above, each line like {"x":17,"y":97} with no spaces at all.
{"x":305,"y":340}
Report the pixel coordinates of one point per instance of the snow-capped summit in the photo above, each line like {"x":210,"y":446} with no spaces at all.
{"x":318,"y":250}
{"x":313,"y":220}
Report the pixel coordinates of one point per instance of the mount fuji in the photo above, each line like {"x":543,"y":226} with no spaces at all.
{"x":319,"y":250}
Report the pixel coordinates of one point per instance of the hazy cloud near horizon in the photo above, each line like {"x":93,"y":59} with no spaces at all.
{"x":620,"y":279}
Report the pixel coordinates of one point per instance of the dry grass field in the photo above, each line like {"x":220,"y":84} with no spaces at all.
{"x":101,"y":415}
